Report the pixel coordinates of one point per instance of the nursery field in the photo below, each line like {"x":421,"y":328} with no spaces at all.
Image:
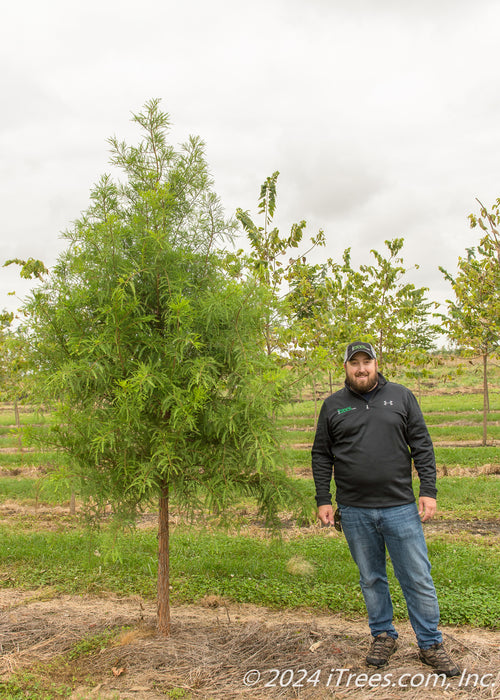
{"x":254,"y":614}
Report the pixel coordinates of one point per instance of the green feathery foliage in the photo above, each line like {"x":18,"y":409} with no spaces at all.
{"x":151,"y":350}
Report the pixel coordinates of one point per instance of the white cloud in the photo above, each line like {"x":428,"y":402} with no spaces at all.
{"x":382,"y":118}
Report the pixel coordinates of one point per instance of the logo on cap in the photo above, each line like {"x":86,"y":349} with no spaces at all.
{"x":359,"y":346}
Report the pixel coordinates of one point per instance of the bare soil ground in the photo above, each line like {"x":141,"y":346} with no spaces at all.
{"x":223,"y":650}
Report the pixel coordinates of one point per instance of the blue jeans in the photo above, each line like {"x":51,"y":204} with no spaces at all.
{"x":368,"y":532}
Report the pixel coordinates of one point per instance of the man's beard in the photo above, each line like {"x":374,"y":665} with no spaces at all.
{"x":362,"y":385}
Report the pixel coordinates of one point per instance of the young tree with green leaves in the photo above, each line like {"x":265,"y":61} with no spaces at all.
{"x":376,"y":303}
{"x":6,"y":319}
{"x":395,"y":312}
{"x":16,"y":368}
{"x":275,"y":264}
{"x":307,"y":328}
{"x":473,"y":318}
{"x":489,"y":222}
{"x":347,"y":308}
{"x":16,"y":374}
{"x":152,"y":351}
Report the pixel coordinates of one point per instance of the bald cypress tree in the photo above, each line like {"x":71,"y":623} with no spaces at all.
{"x":152,"y":352}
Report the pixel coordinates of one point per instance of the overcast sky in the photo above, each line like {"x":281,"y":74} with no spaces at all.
{"x":382,"y":116}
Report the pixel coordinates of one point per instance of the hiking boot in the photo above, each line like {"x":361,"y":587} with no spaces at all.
{"x":437,"y":657}
{"x":383,"y":646}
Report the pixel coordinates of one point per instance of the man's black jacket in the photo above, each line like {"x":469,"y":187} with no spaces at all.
{"x":370,"y":443}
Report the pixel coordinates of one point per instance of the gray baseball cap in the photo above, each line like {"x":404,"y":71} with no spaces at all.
{"x":359,"y":346}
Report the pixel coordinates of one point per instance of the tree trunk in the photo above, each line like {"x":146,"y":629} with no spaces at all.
{"x":486,"y":399}
{"x":163,"y":590}
{"x":18,"y":426}
{"x":315,"y":398}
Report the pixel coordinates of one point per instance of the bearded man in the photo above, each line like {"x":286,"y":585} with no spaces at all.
{"x":368,"y":435}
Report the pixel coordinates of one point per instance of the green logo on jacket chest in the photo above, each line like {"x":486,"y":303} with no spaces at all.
{"x":344,"y":410}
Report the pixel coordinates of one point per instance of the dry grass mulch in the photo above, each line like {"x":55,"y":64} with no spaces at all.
{"x":216,"y":647}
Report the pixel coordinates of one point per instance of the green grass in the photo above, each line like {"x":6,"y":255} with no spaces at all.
{"x":457,"y":433}
{"x":296,"y":422}
{"x":449,"y":457}
{"x":296,"y":458}
{"x":458,"y":402}
{"x":24,"y":685}
{"x":474,"y":497}
{"x":17,"y":460}
{"x":242,"y":568}
{"x":8,"y":418}
{"x":452,"y":433}
{"x":289,"y":437}
{"x":29,"y":490}
{"x":465,"y":595}
{"x":469,"y":497}
{"x":467,"y":456}
{"x":453,"y":417}
{"x":9,"y":439}
{"x":303,"y":409}
{"x":437,"y":409}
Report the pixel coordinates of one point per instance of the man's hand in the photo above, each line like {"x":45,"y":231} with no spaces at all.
{"x":325,"y":514}
{"x":426,"y":507}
